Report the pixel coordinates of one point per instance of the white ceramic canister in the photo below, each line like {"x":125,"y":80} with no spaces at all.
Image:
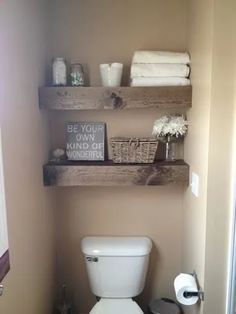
{"x":111,"y":74}
{"x":59,"y":72}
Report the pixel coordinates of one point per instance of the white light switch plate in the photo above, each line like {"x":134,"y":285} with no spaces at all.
{"x":195,"y":184}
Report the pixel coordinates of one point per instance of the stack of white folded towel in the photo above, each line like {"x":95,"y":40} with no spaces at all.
{"x":160,"y":68}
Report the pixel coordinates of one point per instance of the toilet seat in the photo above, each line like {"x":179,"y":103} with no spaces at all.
{"x":116,"y":306}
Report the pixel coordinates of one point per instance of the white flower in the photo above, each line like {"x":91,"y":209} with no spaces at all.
{"x":172,"y":125}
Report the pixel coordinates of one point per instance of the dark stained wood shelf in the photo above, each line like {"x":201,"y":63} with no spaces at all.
{"x":110,"y":174}
{"x":90,"y":98}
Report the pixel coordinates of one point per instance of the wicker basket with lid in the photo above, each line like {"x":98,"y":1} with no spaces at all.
{"x":133,"y":150}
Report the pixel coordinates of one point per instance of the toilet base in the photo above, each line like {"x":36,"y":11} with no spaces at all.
{"x":116,"y":306}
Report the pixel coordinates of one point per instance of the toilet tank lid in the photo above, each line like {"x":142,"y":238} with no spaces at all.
{"x":116,"y":246}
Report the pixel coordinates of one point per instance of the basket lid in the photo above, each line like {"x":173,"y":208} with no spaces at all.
{"x":134,"y":139}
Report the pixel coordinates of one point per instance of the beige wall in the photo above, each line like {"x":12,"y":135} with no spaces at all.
{"x":29,"y":285}
{"x":221,"y":161}
{"x":196,"y":144}
{"x":92,"y":32}
{"x":119,"y":211}
{"x":188,"y":233}
{"x":209,"y":148}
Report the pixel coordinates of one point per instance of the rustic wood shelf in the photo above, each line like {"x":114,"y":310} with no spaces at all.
{"x":90,"y":98}
{"x":110,"y":174}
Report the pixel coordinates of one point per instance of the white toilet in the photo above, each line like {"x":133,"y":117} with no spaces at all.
{"x":117,"y":268}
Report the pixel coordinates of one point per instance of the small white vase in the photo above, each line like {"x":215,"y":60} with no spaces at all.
{"x":111,"y":74}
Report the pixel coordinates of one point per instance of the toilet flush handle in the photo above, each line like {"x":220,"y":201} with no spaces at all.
{"x":92,"y":259}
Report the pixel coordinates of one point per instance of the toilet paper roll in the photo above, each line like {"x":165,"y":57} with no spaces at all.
{"x":185,"y":283}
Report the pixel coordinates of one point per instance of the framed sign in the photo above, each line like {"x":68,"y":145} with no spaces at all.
{"x":85,"y":140}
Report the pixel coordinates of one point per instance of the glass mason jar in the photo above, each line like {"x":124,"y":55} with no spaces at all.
{"x":59,"y":73}
{"x":170,"y":152}
{"x":77,"y":75}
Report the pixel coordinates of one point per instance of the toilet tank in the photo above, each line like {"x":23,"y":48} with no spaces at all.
{"x":116,"y":266}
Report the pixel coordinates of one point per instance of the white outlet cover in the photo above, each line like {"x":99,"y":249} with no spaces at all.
{"x":195,"y":184}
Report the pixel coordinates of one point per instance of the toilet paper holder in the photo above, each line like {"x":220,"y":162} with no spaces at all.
{"x":199,"y":293}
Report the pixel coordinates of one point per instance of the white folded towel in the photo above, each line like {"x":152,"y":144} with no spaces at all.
{"x":159,"y":81}
{"x":143,"y":56}
{"x":159,"y":70}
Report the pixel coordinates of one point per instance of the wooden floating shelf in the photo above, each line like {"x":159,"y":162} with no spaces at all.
{"x":110,"y":174}
{"x":90,"y":98}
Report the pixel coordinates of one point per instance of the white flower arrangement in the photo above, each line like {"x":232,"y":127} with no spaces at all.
{"x":171,"y":125}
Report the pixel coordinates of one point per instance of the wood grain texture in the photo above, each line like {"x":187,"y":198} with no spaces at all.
{"x":84,"y":98}
{"x":111,"y":174}
{"x":4,"y":265}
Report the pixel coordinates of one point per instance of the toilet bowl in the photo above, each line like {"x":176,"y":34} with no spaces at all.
{"x":116,"y":268}
{"x":116,"y":306}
